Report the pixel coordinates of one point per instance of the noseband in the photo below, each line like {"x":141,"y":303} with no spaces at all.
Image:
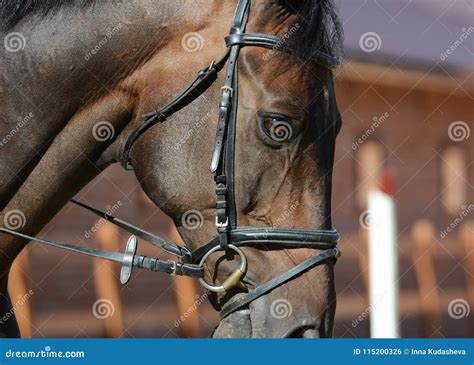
{"x":230,"y":237}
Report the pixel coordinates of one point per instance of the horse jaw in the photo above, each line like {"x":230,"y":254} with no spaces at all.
{"x":244,"y":324}
{"x":236,"y":325}
{"x":285,"y":312}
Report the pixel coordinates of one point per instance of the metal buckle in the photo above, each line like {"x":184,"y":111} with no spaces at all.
{"x":222,"y":225}
{"x":211,"y":66}
{"x":228,"y":88}
{"x":234,"y":279}
{"x":173,"y":268}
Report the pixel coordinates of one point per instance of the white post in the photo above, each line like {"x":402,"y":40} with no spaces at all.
{"x":383,"y":266}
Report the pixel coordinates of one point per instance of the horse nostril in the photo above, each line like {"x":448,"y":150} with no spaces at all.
{"x":303,"y":331}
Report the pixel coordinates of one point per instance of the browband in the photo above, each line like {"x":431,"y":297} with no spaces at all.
{"x":277,"y":43}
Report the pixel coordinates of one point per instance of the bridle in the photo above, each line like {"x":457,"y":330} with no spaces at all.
{"x":230,"y":237}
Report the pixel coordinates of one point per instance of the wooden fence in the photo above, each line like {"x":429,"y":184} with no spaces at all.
{"x":422,"y":254}
{"x":108,"y":308}
{"x":431,"y":260}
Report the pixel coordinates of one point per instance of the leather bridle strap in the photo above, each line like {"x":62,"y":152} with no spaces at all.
{"x":276,"y":238}
{"x":204,"y":78}
{"x":255,"y":39}
{"x":272,"y":239}
{"x":222,"y":161}
{"x":277,"y":43}
{"x":243,"y":300}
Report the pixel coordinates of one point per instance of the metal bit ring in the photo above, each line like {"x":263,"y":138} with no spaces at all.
{"x":233,"y":279}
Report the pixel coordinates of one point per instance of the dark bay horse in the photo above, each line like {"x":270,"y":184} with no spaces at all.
{"x":76,"y":78}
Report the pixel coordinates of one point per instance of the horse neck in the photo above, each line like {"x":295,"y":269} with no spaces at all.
{"x":106,"y":40}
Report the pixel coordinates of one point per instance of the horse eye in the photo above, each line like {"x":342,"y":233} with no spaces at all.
{"x":278,"y":129}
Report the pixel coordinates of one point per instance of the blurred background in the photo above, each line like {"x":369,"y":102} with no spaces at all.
{"x":406,"y":96}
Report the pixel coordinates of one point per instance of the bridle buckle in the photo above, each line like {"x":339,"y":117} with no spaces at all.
{"x":173,"y":267}
{"x":222,"y":225}
{"x":211,"y":66}
{"x":229,"y":89}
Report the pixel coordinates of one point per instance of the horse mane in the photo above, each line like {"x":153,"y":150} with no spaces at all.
{"x":14,"y":11}
{"x":318,"y":23}
{"x":319,"y":27}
